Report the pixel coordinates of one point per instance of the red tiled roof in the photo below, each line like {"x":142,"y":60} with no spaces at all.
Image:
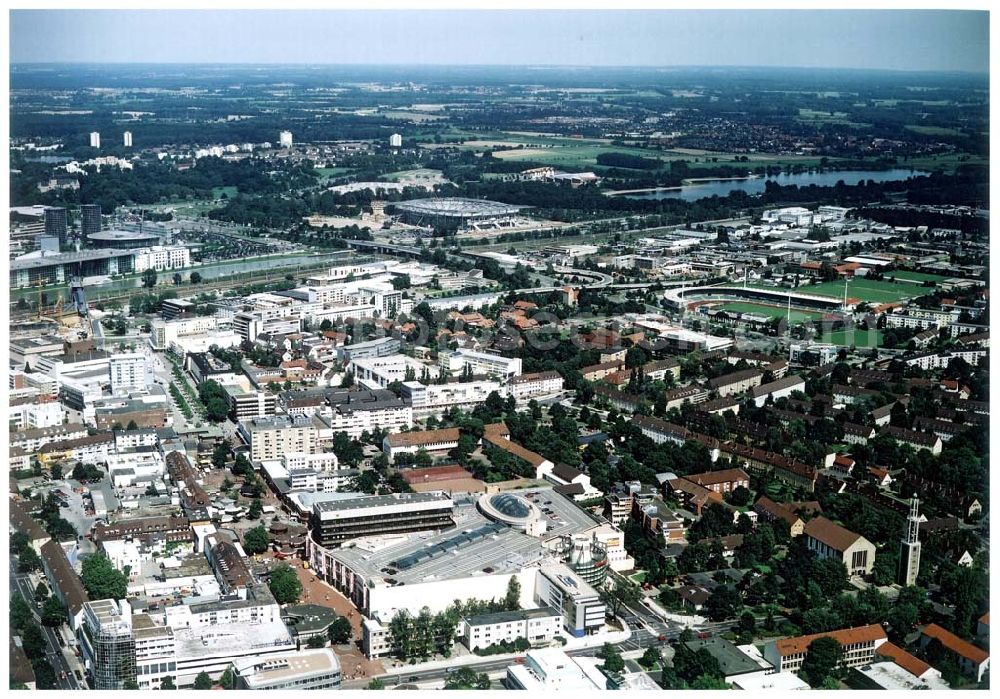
{"x":831,"y":533}
{"x":915,"y":666}
{"x":423,"y":438}
{"x":724,"y":476}
{"x":776,"y":509}
{"x":955,"y":644}
{"x":860,"y":634}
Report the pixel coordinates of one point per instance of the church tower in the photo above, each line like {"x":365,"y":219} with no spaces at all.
{"x":909,"y":548}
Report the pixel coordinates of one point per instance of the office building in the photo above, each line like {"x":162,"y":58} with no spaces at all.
{"x":412,"y":442}
{"x":270,"y":437}
{"x":581,"y":605}
{"x":537,"y":626}
{"x":549,"y":669}
{"x":285,"y":139}
{"x":248,"y":325}
{"x":107,"y":644}
{"x":395,"y":140}
{"x":436,"y":399}
{"x":858,"y":645}
{"x":171,"y":309}
{"x":480,"y":364}
{"x":735,"y":662}
{"x":541,"y":384}
{"x":355,"y":412}
{"x":162,"y":257}
{"x":205,"y":366}
{"x":382,"y":347}
{"x":95,"y":139}
{"x":90,"y":219}
{"x":306,"y":669}
{"x":128,"y":372}
{"x":127,"y":139}
{"x":56,"y":223}
{"x":337,"y":521}
{"x":244,"y":404}
{"x":167,"y":331}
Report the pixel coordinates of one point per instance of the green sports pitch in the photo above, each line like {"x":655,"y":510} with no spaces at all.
{"x":866,"y":290}
{"x":857,"y":338}
{"x":796,"y":316}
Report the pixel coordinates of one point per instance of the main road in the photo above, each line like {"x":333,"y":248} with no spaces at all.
{"x":54,"y":653}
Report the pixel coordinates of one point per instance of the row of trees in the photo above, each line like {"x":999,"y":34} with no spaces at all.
{"x":33,"y":642}
{"x":427,"y":634}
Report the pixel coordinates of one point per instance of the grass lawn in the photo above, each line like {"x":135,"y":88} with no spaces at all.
{"x":858,"y":338}
{"x":864,"y":289}
{"x":946,"y":162}
{"x":933,"y":130}
{"x":796,"y":316}
{"x":230,"y":192}
{"x":327,"y":173}
{"x":639,"y":578}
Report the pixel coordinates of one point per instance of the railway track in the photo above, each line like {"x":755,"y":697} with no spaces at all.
{"x":96,"y":296}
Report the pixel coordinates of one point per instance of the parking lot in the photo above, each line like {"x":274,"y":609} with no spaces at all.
{"x":77,"y":508}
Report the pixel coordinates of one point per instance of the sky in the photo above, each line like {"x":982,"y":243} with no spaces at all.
{"x":891,"y":39}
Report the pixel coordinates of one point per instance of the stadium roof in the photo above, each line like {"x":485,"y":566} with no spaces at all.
{"x":458,"y":207}
{"x":116,"y":235}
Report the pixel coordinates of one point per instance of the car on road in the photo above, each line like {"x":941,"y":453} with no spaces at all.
{"x":661,"y":638}
{"x":413,"y":678}
{"x":705,"y":634}
{"x":78,"y":675}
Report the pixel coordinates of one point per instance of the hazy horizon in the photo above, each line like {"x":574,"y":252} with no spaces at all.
{"x":550,"y":66}
{"x":869,"y":40}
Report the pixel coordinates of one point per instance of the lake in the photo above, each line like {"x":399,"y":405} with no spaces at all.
{"x":828,"y":178}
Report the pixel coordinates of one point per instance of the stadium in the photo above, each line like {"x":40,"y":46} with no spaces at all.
{"x":123,"y":240}
{"x":684,"y":299}
{"x":456,"y":212}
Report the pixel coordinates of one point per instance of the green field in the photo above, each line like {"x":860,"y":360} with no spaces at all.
{"x":796,"y":316}
{"x":816,"y":117}
{"x":933,"y":130}
{"x":858,"y":338}
{"x":947,"y":162}
{"x":328,"y":173}
{"x":864,"y":289}
{"x":230,"y":192}
{"x":581,"y":153}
